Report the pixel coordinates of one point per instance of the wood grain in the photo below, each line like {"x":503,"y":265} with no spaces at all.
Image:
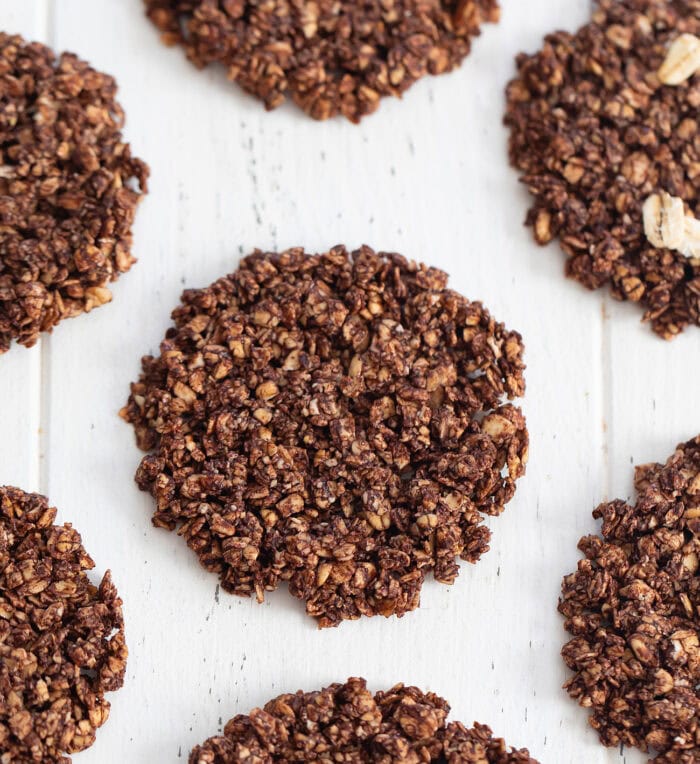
{"x":426,"y":176}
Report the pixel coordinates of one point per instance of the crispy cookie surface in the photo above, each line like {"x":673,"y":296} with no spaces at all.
{"x":595,"y":133}
{"x":61,"y":638}
{"x":331,"y":57}
{"x":632,"y":610}
{"x":69,"y":189}
{"x":336,"y":421}
{"x":346,"y":723}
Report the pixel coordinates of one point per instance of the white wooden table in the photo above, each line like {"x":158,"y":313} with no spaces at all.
{"x":427,"y":177}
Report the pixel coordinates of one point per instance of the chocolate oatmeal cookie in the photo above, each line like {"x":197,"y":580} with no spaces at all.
{"x":61,"y":638}
{"x":332,"y":57}
{"x":69,"y":188}
{"x":632,"y":609}
{"x":597,"y":132}
{"x":336,"y":421}
{"x":346,"y":723}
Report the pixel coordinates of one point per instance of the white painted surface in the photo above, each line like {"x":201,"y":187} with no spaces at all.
{"x":427,"y":177}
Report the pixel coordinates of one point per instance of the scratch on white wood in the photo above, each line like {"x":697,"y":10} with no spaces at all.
{"x":428,"y":177}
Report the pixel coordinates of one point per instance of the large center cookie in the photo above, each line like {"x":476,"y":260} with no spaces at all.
{"x":332,"y":57}
{"x":336,"y":421}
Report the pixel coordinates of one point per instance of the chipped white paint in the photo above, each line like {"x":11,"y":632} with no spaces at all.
{"x":427,"y":177}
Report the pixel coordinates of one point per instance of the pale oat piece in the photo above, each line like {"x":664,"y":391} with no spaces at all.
{"x":337,"y":421}
{"x":330,"y":56}
{"x":664,"y":220}
{"x":632,"y":610}
{"x":61,"y":638}
{"x":596,"y":133}
{"x":682,"y":61}
{"x":69,"y":189}
{"x":345,"y":723}
{"x":691,"y":239}
{"x":666,"y":224}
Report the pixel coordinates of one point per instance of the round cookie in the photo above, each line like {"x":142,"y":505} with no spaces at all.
{"x":632,"y":610}
{"x":332,"y":57}
{"x":596,"y":133}
{"x":69,"y":189}
{"x":346,"y":723}
{"x":61,"y":638}
{"x":336,"y":421}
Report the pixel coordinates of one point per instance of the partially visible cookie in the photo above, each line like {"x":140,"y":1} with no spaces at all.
{"x":332,"y":57}
{"x":346,"y":723}
{"x":69,"y":189}
{"x":597,"y":133}
{"x":61,"y":638}
{"x":338,"y":421}
{"x":632,"y":610}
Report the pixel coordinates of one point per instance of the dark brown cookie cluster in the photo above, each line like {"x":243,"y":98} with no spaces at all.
{"x":595,"y":133}
{"x":61,"y":639}
{"x":346,"y":723}
{"x":331,"y":57}
{"x":632,"y":608}
{"x":69,"y":188}
{"x":335,"y":421}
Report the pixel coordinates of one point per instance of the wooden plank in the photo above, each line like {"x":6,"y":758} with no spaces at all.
{"x":648,"y":406}
{"x":26,"y":17}
{"x":651,"y":405}
{"x":21,"y":369}
{"x":427,"y":177}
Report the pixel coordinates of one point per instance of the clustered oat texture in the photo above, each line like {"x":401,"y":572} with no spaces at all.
{"x":61,"y":638}
{"x":595,"y":133}
{"x":632,"y":608}
{"x":332,"y":56}
{"x":69,"y":188}
{"x":346,"y":723}
{"x":335,"y":421}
